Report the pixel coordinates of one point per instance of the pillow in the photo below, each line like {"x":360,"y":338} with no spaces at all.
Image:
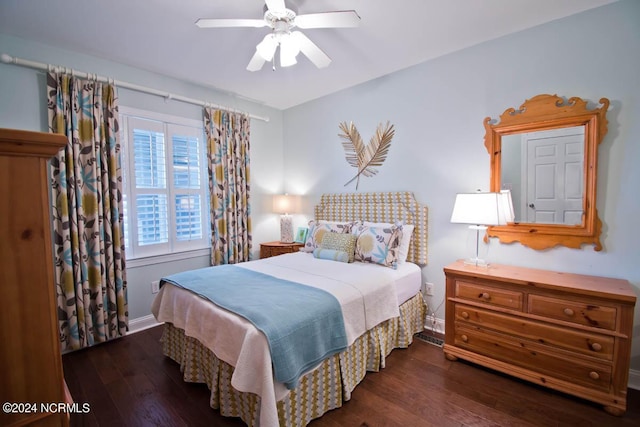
{"x":332,"y":223}
{"x":317,"y":229}
{"x":331,"y":254}
{"x":378,"y":245}
{"x":340,"y":242}
{"x":407,"y":234}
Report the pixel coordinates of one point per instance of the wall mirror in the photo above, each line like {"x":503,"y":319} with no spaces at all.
{"x":546,"y":154}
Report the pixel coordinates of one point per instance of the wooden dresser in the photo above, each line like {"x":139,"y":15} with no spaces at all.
{"x":565,"y":331}
{"x":269,"y":249}
{"x":30,"y":360}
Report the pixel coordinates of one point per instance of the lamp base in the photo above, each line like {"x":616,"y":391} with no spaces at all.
{"x":286,"y":229}
{"x":477,"y":262}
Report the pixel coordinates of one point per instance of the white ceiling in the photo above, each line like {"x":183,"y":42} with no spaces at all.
{"x":160,"y":36}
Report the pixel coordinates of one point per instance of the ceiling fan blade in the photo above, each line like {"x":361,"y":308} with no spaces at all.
{"x":256,"y":62}
{"x":275,"y":5}
{"x":339,"y":19}
{"x":226,"y":23}
{"x":311,"y":50}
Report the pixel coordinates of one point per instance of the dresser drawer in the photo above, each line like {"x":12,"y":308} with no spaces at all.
{"x":489,"y":295}
{"x":596,"y":345}
{"x":597,"y":316}
{"x":534,"y":356}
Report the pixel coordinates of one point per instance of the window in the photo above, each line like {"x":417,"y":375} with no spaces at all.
{"x":165,"y":184}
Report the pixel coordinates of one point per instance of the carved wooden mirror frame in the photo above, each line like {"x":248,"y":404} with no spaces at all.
{"x":545,"y":112}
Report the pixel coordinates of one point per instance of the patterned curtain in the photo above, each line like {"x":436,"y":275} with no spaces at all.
{"x":87,"y":212}
{"x":228,"y":164}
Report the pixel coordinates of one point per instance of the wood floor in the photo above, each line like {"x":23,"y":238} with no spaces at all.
{"x":128,"y":382}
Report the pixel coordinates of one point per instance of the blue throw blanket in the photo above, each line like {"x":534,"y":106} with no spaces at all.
{"x":303,"y":324}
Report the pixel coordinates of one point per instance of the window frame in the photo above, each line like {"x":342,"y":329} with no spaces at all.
{"x":169,"y":125}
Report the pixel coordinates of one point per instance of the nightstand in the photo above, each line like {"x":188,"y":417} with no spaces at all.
{"x":269,"y":249}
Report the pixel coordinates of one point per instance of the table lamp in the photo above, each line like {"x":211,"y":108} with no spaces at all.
{"x":286,"y":204}
{"x":480,"y":210}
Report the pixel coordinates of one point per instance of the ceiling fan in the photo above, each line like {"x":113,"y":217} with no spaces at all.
{"x":282,"y":19}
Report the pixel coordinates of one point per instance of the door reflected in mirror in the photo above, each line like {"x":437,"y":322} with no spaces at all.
{"x":544,"y":171}
{"x":546,"y":153}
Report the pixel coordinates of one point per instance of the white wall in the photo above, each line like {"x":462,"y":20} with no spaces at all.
{"x":438,"y":109}
{"x":23,"y":106}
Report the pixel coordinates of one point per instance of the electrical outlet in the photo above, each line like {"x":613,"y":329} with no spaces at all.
{"x":428,"y":288}
{"x":155,"y":286}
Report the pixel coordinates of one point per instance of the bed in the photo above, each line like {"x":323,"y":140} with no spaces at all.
{"x":382,"y":309}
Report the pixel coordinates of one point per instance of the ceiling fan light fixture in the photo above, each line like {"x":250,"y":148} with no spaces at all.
{"x":289,"y":49}
{"x":287,"y":60}
{"x":267,"y":47}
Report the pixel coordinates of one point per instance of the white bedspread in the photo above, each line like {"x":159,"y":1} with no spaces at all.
{"x":366,"y":294}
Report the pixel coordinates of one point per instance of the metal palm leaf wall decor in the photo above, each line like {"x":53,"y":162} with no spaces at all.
{"x":366,"y":158}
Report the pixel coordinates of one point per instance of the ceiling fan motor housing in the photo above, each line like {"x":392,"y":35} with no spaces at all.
{"x":273,"y":17}
{"x":281,"y":27}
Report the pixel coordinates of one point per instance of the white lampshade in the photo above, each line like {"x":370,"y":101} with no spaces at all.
{"x":286,"y":204}
{"x":506,"y":207}
{"x":479,"y":209}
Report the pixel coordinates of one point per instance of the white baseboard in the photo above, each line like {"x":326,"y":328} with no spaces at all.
{"x":141,"y":323}
{"x":437,"y":325}
{"x":634,"y":379}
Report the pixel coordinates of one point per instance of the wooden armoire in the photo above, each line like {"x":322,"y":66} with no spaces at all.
{"x":30,"y":359}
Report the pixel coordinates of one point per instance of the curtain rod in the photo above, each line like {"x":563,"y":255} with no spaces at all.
{"x":8,"y":59}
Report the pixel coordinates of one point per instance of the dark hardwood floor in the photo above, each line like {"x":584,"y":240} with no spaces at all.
{"x":128,"y":382}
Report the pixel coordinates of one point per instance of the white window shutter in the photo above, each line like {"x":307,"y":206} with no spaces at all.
{"x":165,"y":200}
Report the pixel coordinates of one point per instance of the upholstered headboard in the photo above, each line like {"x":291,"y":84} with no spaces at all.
{"x":380,"y":207}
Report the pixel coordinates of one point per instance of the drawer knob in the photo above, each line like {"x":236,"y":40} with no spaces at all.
{"x":596,"y":347}
{"x":464,"y":338}
{"x":594,"y":375}
{"x":568,"y":312}
{"x":485,"y":296}
{"x":465,"y":314}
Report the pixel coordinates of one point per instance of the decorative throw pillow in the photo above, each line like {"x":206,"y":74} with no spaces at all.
{"x":343,"y":226}
{"x":331,"y":254}
{"x":317,"y":230}
{"x":340,"y":242}
{"x":407,"y":234}
{"x":378,"y":245}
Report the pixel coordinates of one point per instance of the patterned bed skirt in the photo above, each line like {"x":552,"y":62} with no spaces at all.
{"x":319,"y":391}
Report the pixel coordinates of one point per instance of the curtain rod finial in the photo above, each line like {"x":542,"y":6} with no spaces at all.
{"x":7,"y":59}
